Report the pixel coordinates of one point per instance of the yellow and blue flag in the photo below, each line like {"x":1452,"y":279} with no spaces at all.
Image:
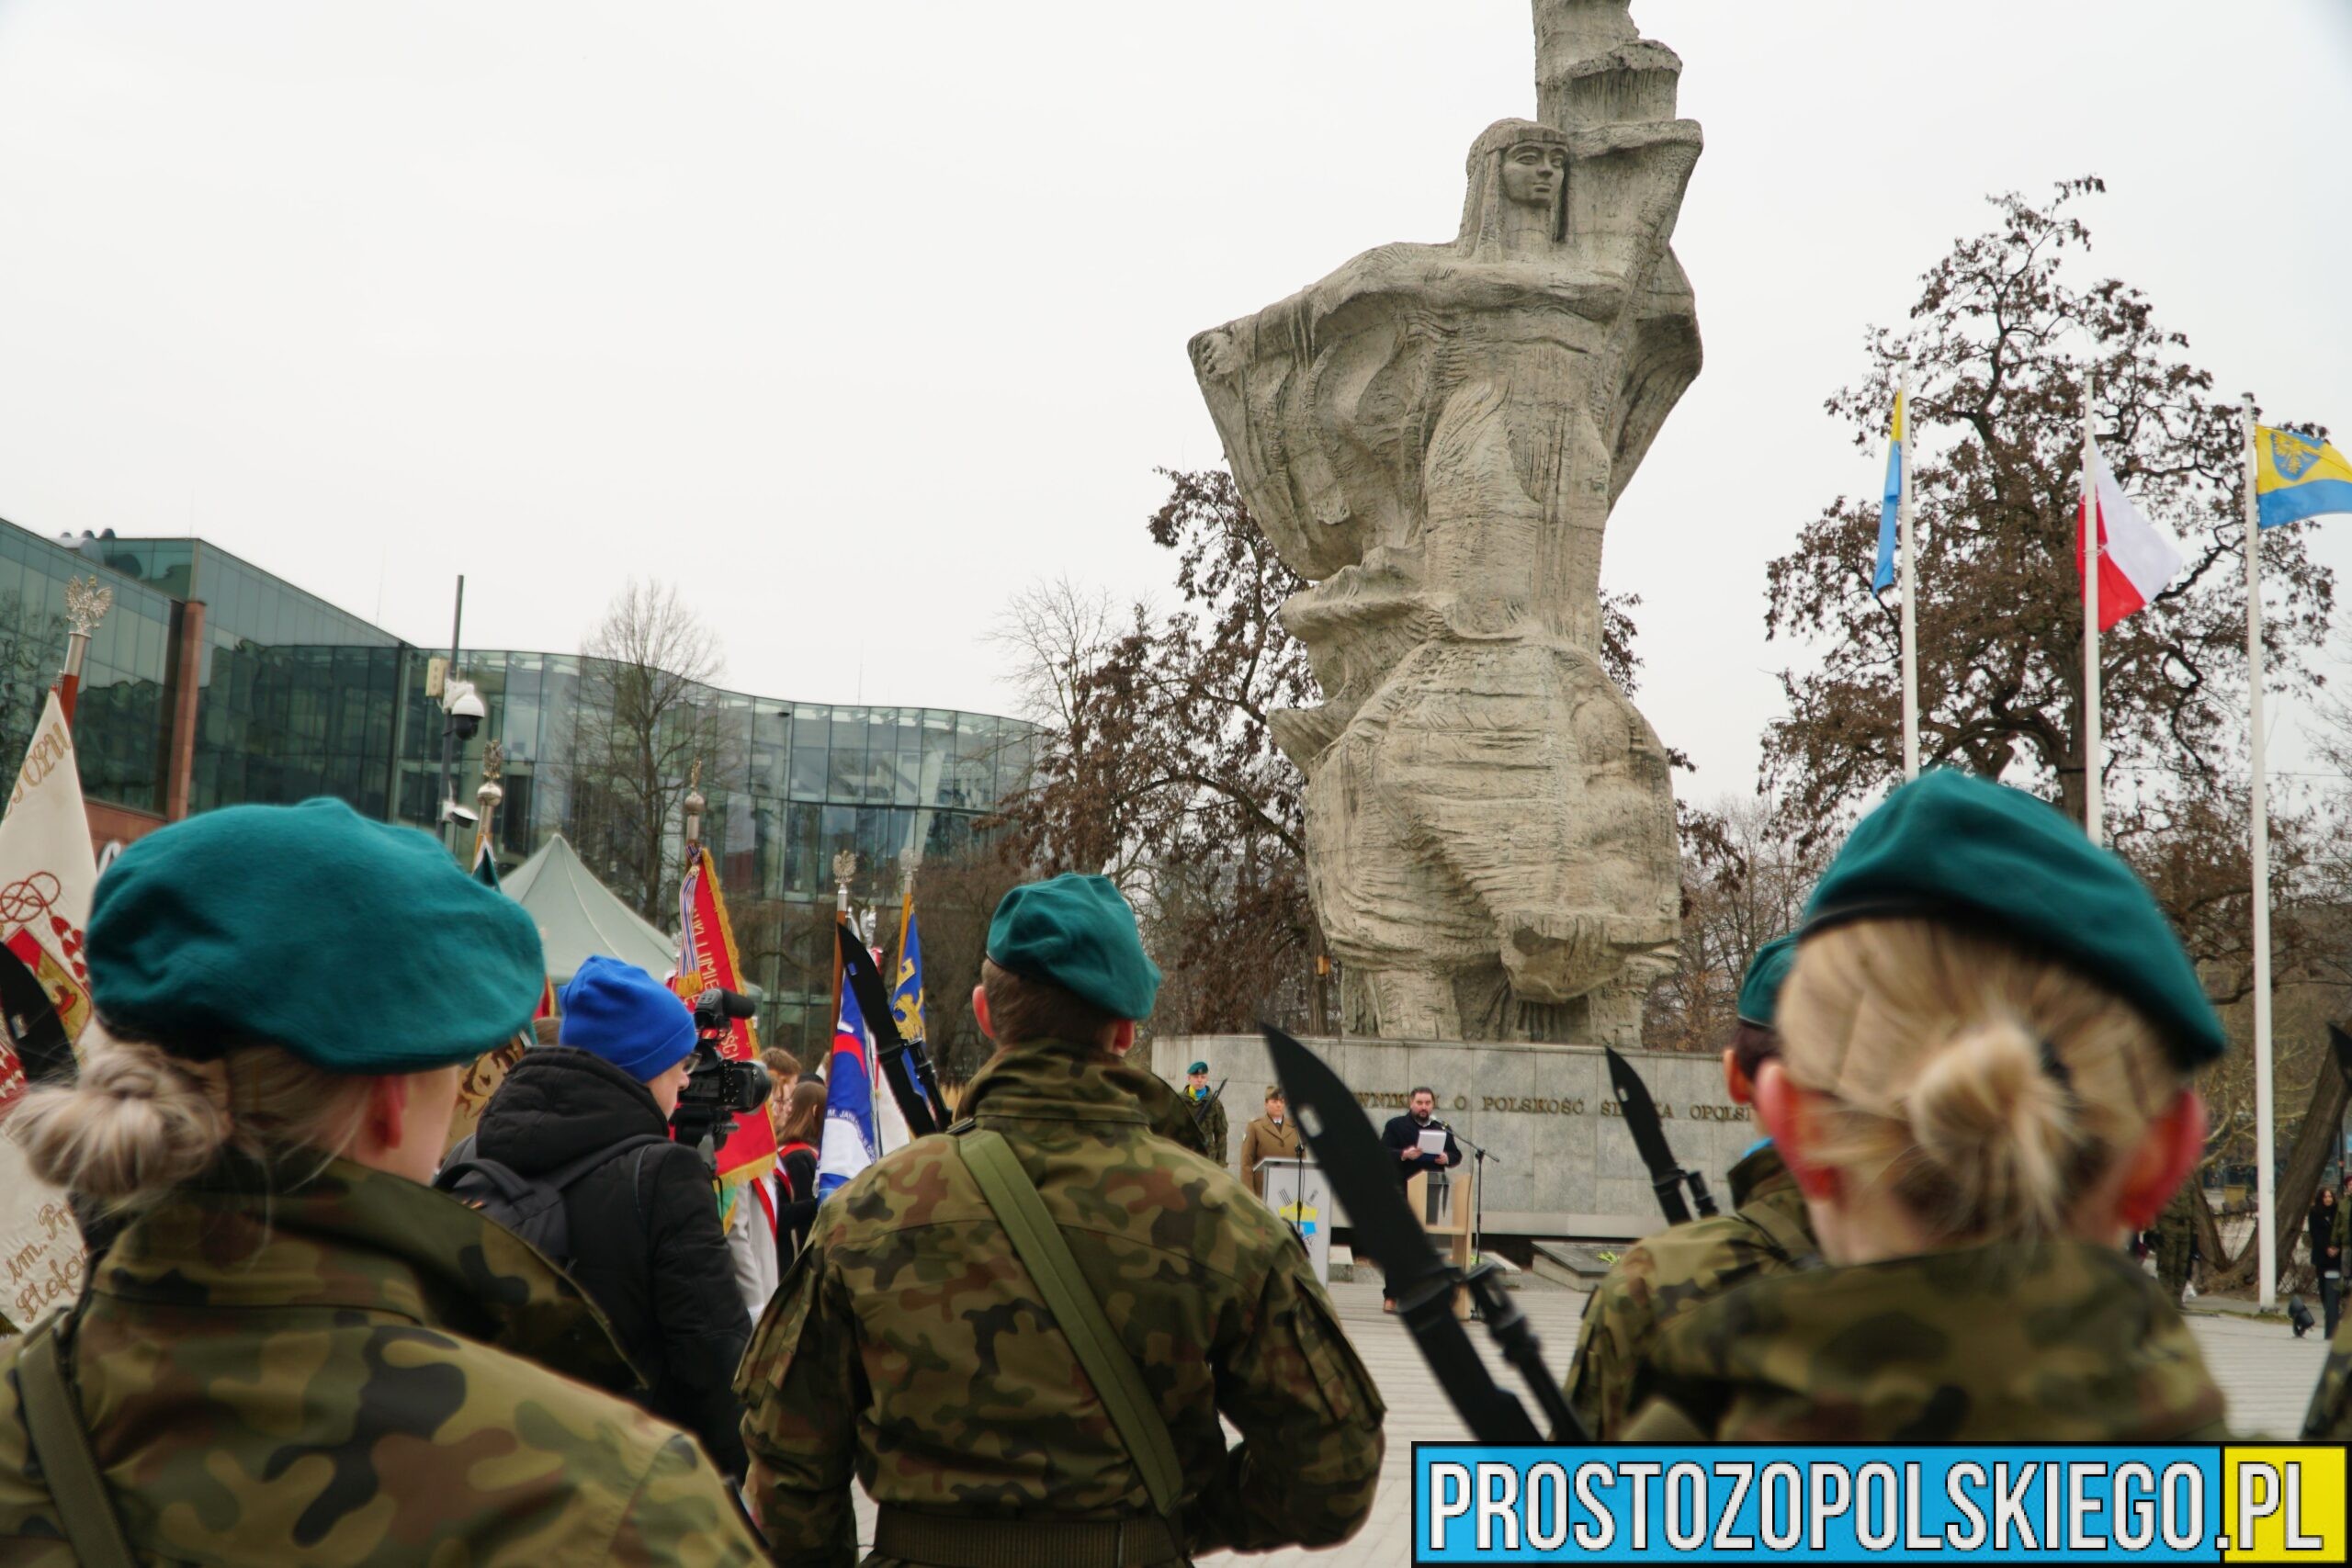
{"x":906,"y":993}
{"x":2297,"y":477}
{"x":1890,"y":505}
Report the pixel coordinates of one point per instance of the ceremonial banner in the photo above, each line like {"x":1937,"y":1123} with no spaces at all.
{"x":706,"y":958}
{"x":47,"y":873}
{"x":849,"y":1142}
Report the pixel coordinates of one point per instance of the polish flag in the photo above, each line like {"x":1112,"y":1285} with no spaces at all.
{"x":2136,"y":557}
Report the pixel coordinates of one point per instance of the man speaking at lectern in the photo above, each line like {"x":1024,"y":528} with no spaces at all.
{"x":1405,"y":1135}
{"x":1416,"y":1138}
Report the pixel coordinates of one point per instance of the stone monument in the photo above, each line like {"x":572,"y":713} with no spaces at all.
{"x":1433,"y":436}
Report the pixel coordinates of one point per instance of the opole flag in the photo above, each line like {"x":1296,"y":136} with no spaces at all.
{"x":2136,"y":556}
{"x":2297,"y":477}
{"x":1890,"y":504}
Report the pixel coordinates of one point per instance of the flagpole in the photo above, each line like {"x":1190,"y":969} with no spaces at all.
{"x":2094,"y":763}
{"x":2258,"y":794}
{"x":1910,"y":590}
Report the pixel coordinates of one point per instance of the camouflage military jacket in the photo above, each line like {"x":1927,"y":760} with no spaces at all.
{"x":2061,"y":1341}
{"x":909,"y":1347}
{"x":336,"y":1374}
{"x":1658,"y":1280}
{"x":1209,"y":1116}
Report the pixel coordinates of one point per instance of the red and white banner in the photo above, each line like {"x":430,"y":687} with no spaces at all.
{"x":707,"y":957}
{"x":47,"y":873}
{"x":2136,"y":556}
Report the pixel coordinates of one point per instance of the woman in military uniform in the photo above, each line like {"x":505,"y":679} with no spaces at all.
{"x":1984,"y":1088}
{"x":296,"y":1352}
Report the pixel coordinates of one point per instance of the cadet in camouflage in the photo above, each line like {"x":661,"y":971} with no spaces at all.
{"x":1676,"y":1271}
{"x":2177,"y":1240}
{"x":287,"y":1357}
{"x":1657,"y":1280}
{"x":911,"y":1349}
{"x":2064,"y":1341}
{"x":344,"y":1373}
{"x":1209,"y":1113}
{"x":1985,"y":1083}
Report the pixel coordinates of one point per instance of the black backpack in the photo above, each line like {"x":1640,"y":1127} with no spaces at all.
{"x":531,"y":1206}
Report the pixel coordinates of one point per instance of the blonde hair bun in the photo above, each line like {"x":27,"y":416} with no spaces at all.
{"x":1997,"y":1125}
{"x":135,"y":1123}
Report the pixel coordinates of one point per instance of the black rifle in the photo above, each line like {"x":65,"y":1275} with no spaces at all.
{"x":1201,"y":1107}
{"x":1667,"y":1178}
{"x":1363,"y":1173}
{"x":906,"y":1066}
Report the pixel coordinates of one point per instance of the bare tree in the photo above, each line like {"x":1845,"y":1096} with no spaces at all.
{"x":1745,"y":882}
{"x":1055,"y":634}
{"x":645,"y":718}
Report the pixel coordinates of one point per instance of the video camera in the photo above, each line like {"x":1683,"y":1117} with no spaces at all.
{"x":719,"y":1090}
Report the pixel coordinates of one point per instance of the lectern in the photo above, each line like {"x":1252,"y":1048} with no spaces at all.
{"x":1445,"y":1201}
{"x":1297,"y":1194}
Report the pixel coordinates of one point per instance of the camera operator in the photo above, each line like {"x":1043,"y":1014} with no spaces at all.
{"x":645,"y":1236}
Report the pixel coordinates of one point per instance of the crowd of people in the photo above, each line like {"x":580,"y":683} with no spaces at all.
{"x":1028,"y":1339}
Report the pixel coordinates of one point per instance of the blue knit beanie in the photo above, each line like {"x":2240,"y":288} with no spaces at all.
{"x":619,"y":1012}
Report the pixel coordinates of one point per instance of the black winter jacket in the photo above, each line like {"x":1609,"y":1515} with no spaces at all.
{"x":646,"y":1241}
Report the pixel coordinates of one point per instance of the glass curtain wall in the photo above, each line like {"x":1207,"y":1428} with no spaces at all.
{"x":788,"y":785}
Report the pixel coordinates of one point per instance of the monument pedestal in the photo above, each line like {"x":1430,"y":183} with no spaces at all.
{"x":1562,"y":1162}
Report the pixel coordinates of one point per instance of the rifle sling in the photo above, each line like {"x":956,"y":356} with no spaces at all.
{"x":53,"y":1423}
{"x":1046,"y":1254}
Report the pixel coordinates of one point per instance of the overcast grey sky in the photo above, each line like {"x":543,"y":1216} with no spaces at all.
{"x":857,"y":318}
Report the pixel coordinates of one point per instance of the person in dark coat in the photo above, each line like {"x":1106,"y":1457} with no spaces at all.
{"x":1403,"y":1136}
{"x":2328,"y":1255}
{"x":647,"y":1245}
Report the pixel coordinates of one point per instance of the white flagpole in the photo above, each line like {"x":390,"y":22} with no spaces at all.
{"x":2094,"y":762}
{"x":2258,"y":793}
{"x":1910,"y":593}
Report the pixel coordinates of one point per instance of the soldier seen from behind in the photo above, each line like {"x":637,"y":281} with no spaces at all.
{"x":1679,"y":1270}
{"x":1982,"y":1090}
{"x":297,"y":1351}
{"x":923,"y":1342}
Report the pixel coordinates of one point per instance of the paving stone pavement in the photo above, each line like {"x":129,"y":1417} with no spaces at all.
{"x":2266,"y":1372}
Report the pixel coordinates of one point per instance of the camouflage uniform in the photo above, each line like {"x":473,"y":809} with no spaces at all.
{"x":2061,"y":1341}
{"x":337,"y":1374}
{"x":1658,"y":1280}
{"x":2177,"y":1239}
{"x":908,"y":1346}
{"x":1213,"y":1130}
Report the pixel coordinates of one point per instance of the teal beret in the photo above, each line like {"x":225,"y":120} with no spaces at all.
{"x":1076,"y":932}
{"x":1760,"y":989}
{"x":357,"y":946}
{"x":1952,"y":846}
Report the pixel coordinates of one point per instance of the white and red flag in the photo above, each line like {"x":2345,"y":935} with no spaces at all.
{"x":2136,"y":556}
{"x":47,"y":873}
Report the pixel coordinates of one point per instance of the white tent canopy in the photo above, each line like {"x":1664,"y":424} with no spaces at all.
{"x":579,"y":916}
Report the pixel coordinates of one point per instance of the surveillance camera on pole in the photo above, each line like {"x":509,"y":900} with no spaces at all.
{"x":464,"y":706}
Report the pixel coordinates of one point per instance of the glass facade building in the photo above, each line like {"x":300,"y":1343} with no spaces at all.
{"x":213,"y":683}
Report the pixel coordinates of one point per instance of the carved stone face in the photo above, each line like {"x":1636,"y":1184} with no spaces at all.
{"x":1532,"y":173}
